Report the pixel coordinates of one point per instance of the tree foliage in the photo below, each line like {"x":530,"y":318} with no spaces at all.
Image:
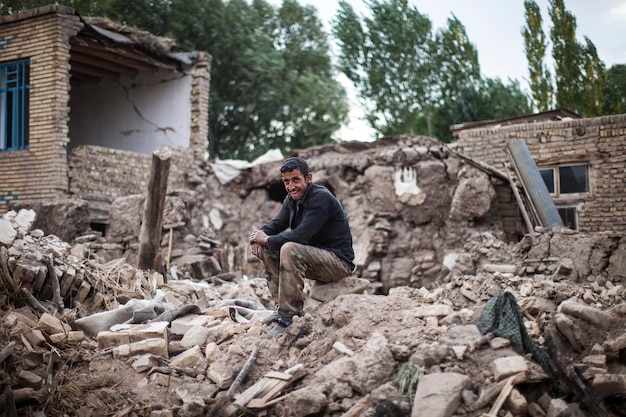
{"x":579,"y":74}
{"x":412,"y":80}
{"x":272,"y":81}
{"x":535,"y":46}
{"x":615,"y":90}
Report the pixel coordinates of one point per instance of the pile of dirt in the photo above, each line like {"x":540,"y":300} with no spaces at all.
{"x":177,"y":348}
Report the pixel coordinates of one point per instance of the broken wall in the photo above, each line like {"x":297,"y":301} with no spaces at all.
{"x":598,"y":142}
{"x":136,"y":114}
{"x":409,"y":201}
{"x":100,"y":175}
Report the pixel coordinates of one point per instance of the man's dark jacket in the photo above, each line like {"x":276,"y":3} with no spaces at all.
{"x":320,"y":221}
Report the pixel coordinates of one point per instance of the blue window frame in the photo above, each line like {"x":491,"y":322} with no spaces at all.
{"x":14,"y":105}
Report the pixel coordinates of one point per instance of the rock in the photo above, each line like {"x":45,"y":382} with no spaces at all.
{"x":308,"y":401}
{"x":350,"y":285}
{"x":439,"y":395}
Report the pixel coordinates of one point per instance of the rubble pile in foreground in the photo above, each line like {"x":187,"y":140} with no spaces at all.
{"x":81,"y":338}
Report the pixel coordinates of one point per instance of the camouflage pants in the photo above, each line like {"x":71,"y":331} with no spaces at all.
{"x":287,"y":270}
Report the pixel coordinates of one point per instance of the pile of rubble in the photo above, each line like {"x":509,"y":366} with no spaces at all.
{"x":85,"y":338}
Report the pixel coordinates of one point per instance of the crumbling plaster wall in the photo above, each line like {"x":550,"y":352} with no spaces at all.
{"x":599,"y":142}
{"x":409,"y":202}
{"x":136,"y":114}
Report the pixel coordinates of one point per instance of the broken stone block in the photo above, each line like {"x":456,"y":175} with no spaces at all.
{"x":224,"y":331}
{"x":153,"y":346}
{"x":30,"y":379}
{"x":212,"y":352}
{"x":130,"y":333}
{"x":516,"y":403}
{"x":221,"y":373}
{"x":67,"y":337}
{"x":610,"y":385}
{"x":188,"y":358}
{"x":503,"y":269}
{"x":52,"y":325}
{"x":35,"y":337}
{"x":328,"y":292}
{"x":189,"y":393}
{"x":437,"y":310}
{"x":7,"y":232}
{"x":164,"y":380}
{"x":196,"y":336}
{"x":592,"y":315}
{"x":181,"y":325}
{"x":439,"y":394}
{"x":508,"y":366}
{"x":145,"y":363}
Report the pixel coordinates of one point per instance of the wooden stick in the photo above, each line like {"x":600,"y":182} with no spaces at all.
{"x":150,"y":233}
{"x":56,"y":288}
{"x":33,"y":302}
{"x":5,"y":275}
{"x":169,"y":254}
{"x":243,"y":373}
{"x":502,"y":397}
{"x":6,"y":351}
{"x":492,"y":392}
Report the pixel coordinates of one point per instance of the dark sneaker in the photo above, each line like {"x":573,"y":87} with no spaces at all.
{"x":280,"y":327}
{"x":272,"y":318}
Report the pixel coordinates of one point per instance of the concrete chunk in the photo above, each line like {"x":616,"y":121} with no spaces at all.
{"x":439,"y":395}
{"x":349,"y":285}
{"x":507,"y":366}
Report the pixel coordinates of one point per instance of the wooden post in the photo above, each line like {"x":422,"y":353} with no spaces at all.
{"x":150,"y":235}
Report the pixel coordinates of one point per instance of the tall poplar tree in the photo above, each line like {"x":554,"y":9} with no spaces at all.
{"x":535,"y":46}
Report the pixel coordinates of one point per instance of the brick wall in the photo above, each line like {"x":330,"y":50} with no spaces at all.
{"x":99,"y":175}
{"x":599,"y":142}
{"x":40,"y":172}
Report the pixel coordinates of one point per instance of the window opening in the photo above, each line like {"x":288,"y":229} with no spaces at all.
{"x":14,"y":105}
{"x":566,"y":179}
{"x":569,"y":215}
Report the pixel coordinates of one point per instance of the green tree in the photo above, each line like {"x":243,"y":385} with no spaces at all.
{"x":579,"y":72}
{"x":387,"y":58}
{"x":412,"y":81}
{"x":594,"y":74}
{"x":83,"y":7}
{"x":272,"y":81}
{"x":566,"y":52}
{"x":615,"y":90}
{"x":535,"y":45}
{"x":491,"y":99}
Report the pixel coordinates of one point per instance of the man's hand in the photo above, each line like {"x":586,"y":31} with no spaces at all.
{"x":256,"y":250}
{"x":258,"y":239}
{"x":259,"y":236}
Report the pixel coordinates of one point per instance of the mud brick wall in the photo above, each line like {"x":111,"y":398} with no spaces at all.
{"x":599,"y":142}
{"x":100,"y":175}
{"x":40,"y":172}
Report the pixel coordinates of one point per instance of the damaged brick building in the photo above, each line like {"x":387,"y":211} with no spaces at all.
{"x":86,"y":102}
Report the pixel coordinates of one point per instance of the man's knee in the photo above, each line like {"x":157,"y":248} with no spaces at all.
{"x":288,"y":249}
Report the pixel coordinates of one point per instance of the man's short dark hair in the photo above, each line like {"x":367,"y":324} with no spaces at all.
{"x":291,"y":164}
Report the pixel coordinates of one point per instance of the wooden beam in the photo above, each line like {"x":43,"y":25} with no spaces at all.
{"x":89,"y":60}
{"x":124,"y":57}
{"x":78,"y":68}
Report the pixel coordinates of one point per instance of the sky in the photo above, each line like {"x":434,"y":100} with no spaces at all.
{"x":494,"y":27}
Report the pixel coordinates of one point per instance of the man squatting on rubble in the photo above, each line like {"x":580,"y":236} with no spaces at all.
{"x":309,"y":238}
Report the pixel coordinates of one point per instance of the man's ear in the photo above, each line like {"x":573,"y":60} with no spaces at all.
{"x":309,"y":177}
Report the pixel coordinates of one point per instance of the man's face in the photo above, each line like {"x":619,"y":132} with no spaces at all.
{"x":295,"y":183}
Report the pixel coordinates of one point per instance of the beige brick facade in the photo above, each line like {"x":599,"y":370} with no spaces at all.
{"x":597,"y":142}
{"x":40,"y":172}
